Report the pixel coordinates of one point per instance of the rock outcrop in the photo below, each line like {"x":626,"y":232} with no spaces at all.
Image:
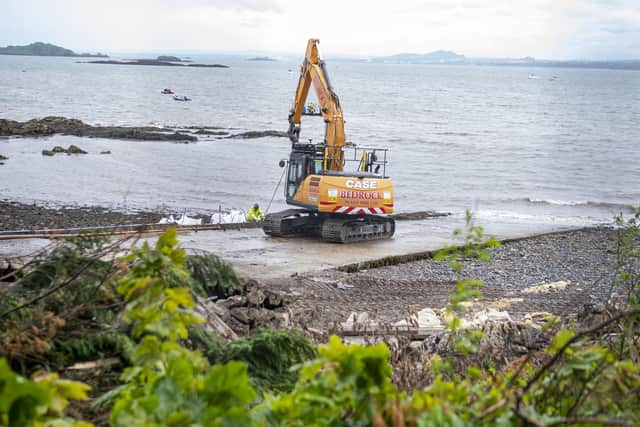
{"x":61,"y":125}
{"x":259,"y":134}
{"x":73,"y":149}
{"x":168,"y":58}
{"x":156,"y":62}
{"x":237,"y":315}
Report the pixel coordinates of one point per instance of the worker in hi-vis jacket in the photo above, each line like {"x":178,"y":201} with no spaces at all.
{"x":255,"y":214}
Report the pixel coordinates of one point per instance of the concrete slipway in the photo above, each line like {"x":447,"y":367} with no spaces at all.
{"x":254,"y":254}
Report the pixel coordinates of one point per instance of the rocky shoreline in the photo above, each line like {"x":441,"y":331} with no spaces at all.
{"x":21,"y":216}
{"x":53,"y":125}
{"x":25,"y":216}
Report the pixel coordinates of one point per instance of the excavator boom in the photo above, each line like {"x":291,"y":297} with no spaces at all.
{"x":314,"y":72}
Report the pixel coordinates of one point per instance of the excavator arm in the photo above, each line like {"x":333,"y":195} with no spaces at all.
{"x":314,"y":72}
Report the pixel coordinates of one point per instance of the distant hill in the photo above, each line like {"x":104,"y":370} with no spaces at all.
{"x":169,"y":58}
{"x":448,"y":57}
{"x":45,"y":49}
{"x":261,"y":58}
{"x":436,"y":57}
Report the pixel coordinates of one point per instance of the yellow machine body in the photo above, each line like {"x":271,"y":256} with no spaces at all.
{"x":346,"y":194}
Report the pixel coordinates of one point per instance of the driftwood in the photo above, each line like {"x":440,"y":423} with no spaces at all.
{"x":81,"y":366}
{"x":213,"y":322}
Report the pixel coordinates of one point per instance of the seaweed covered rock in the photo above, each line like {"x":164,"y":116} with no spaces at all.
{"x":61,"y":125}
{"x":74,"y":149}
{"x":259,"y":134}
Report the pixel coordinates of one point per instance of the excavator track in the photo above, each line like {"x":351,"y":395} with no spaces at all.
{"x":352,"y":229}
{"x":291,"y":222}
{"x":331,"y":228}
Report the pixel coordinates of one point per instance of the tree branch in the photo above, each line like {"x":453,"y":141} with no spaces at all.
{"x":96,"y":257}
{"x":571,"y":341}
{"x":592,"y":420}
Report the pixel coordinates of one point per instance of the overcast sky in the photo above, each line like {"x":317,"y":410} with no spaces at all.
{"x":553,"y":29}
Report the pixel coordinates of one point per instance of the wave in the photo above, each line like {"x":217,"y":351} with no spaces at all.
{"x":537,"y":218}
{"x":454,"y":133}
{"x":590,"y":203}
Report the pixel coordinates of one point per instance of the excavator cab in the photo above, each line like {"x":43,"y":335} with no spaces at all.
{"x":302,"y":163}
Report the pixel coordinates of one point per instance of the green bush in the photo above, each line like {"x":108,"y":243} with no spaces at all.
{"x":211,"y":276}
{"x":270,"y":356}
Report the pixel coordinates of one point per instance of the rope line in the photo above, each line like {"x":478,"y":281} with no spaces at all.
{"x":275,"y":190}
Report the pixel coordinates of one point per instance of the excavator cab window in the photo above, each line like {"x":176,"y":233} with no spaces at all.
{"x":292,"y":178}
{"x":300,"y":165}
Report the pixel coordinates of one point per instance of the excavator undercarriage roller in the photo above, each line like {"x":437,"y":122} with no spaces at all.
{"x":291,"y":222}
{"x":331,"y":228}
{"x":352,"y":229}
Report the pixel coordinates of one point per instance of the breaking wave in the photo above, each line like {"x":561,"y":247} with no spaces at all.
{"x":558,"y":202}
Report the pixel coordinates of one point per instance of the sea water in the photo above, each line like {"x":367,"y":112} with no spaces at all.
{"x":561,"y":149}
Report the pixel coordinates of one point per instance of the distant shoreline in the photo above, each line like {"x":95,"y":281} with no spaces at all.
{"x":77,"y":55}
{"x":46,"y":49}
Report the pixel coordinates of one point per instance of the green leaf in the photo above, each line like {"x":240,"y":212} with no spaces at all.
{"x":561,"y":338}
{"x":23,"y":411}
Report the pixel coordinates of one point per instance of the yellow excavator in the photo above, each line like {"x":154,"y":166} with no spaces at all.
{"x":338,"y":205}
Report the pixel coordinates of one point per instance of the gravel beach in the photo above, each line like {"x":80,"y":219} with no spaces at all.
{"x":557,"y":273}
{"x":20,"y":216}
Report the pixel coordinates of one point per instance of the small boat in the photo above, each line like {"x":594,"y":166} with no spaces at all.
{"x":167,"y":91}
{"x":533,"y":77}
{"x":181,"y":98}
